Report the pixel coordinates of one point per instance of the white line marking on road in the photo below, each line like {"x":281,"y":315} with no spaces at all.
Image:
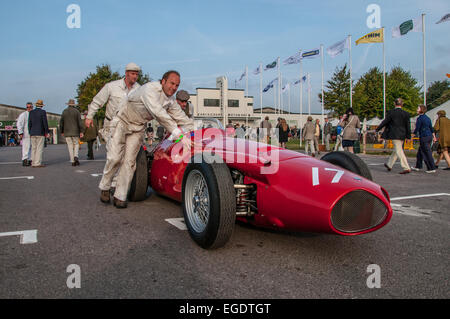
{"x":177,"y":222}
{"x":79,"y":171}
{"x":420,"y":196}
{"x":97,"y":175}
{"x":9,"y":163}
{"x":26,"y":236}
{"x":19,"y":177}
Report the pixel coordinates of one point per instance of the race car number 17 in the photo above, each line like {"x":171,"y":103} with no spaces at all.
{"x":315,"y":175}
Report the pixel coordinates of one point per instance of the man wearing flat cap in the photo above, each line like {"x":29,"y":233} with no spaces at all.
{"x":38,"y":129}
{"x":71,"y":128}
{"x":114,"y":95}
{"x":183,"y":101}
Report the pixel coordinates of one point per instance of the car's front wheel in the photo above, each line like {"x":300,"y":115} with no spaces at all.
{"x":350,"y":162}
{"x":209,"y":203}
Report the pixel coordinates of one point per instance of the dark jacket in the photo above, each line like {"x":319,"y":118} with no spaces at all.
{"x":423,"y":126}
{"x":37,"y":122}
{"x":70,"y":123}
{"x":90,"y":133}
{"x":397,"y":123}
{"x":327,"y":128}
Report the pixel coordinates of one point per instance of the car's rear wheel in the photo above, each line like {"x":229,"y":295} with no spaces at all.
{"x":348,"y":161}
{"x":209,"y":203}
{"x":139,"y":184}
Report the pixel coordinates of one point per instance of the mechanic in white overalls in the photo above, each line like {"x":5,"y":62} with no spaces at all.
{"x":22,"y":127}
{"x":114,"y":95}
{"x":153,"y":100}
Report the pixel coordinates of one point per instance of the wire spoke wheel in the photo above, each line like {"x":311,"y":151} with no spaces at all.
{"x":197,"y":201}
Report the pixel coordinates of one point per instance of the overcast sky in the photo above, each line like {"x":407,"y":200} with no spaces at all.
{"x":41,"y":58}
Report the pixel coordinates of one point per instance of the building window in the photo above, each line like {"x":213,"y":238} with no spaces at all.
{"x":233,"y":103}
{"x":211,"y":102}
{"x":249,"y":104}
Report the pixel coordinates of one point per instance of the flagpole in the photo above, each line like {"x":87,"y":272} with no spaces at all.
{"x":246,"y":80}
{"x":279,"y":85}
{"x":323,"y":120}
{"x":384,"y":78}
{"x":260,"y":89}
{"x":301,"y":101}
{"x":350,"y":61}
{"x":309,"y":94}
{"x":289,"y":103}
{"x":424,"y":63}
{"x":281,"y":91}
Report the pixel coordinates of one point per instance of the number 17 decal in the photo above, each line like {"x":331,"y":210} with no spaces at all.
{"x":336,"y":178}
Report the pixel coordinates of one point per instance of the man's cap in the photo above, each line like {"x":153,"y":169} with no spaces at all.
{"x":132,"y":67}
{"x":71,"y":102}
{"x":441,"y":113}
{"x":183,"y":95}
{"x":310,"y":118}
{"x":40,"y":103}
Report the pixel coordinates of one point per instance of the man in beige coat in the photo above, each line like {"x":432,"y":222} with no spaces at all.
{"x":153,"y":100}
{"x":308,"y":135}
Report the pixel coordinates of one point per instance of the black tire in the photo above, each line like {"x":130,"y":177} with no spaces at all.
{"x":139,"y":184}
{"x":348,"y":161}
{"x":222,"y":203}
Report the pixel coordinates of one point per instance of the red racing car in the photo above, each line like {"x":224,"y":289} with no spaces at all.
{"x":222,"y":179}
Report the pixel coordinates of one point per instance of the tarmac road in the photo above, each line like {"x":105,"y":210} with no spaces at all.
{"x":136,"y":253}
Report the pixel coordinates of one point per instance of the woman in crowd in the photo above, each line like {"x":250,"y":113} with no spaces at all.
{"x":284,"y":133}
{"x":442,"y":126}
{"x":349,"y":123}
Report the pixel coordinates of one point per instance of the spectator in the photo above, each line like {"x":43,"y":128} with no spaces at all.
{"x":284,"y":133}
{"x":38,"y":128}
{"x":338,"y":146}
{"x":398,"y":129}
{"x":443,"y":127}
{"x":72,"y":129}
{"x":327,"y":133}
{"x":90,"y":136}
{"x":265,"y":130}
{"x":308,"y":135}
{"x":350,"y":122}
{"x":424,"y":130}
{"x":240,"y":133}
{"x":317,"y":136}
{"x":150,"y":135}
{"x":22,"y":127}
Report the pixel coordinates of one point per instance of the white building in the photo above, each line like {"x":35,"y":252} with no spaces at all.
{"x":238,"y":108}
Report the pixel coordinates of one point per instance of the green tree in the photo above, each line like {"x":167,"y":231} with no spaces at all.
{"x":337,"y":91}
{"x":368,"y":96}
{"x":94,"y":82}
{"x":401,"y":84}
{"x":435,"y":91}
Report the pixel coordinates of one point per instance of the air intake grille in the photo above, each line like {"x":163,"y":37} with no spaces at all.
{"x":358,"y":211}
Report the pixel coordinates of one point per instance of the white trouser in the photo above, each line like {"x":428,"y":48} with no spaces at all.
{"x":107,"y":134}
{"x":37,"y":148}
{"x":316,"y":143}
{"x":338,"y":146}
{"x":311,"y":144}
{"x":123,"y":149}
{"x":327,"y":141}
{"x":26,"y":147}
{"x":73,"y":144}
{"x":398,"y":153}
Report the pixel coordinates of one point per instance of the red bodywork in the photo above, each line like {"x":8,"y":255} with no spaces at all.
{"x":299,"y":196}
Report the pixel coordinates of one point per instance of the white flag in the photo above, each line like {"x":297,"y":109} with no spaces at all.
{"x":444,"y":18}
{"x":293,"y":59}
{"x":257,"y":70}
{"x":337,"y":48}
{"x":286,"y":87}
{"x":410,"y":25}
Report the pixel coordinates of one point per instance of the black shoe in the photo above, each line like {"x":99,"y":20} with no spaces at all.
{"x":25,"y":162}
{"x":104,"y":196}
{"x":77,"y":163}
{"x":119,"y":203}
{"x":387,"y":167}
{"x":73,"y":164}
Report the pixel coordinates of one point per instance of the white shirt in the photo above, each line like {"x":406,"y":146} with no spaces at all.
{"x":150,"y":102}
{"x":115,"y":95}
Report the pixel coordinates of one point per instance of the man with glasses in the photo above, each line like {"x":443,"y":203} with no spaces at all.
{"x":22,"y":127}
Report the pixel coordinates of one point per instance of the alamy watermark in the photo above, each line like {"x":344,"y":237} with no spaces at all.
{"x":374,"y":19}
{"x":374,"y":280}
{"x":74,"y":19}
{"x":74,"y":280}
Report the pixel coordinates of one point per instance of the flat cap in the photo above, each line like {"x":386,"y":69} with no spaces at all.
{"x":132,"y":67}
{"x":183,"y":95}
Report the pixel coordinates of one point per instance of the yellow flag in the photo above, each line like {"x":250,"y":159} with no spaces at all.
{"x":376,"y":36}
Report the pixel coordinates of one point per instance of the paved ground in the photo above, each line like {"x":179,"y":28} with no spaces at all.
{"x":135,"y":253}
